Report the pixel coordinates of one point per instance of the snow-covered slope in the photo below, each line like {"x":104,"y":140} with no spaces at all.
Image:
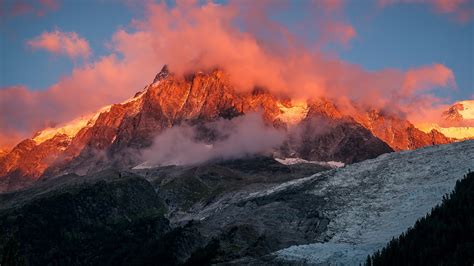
{"x":450,"y":132}
{"x":291,"y":161}
{"x":372,"y":201}
{"x":71,"y":128}
{"x":467,"y":111}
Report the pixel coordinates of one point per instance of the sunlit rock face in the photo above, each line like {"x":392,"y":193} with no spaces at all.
{"x":400,"y":134}
{"x":114,"y":136}
{"x":3,"y":152}
{"x":457,"y":122}
{"x":28,"y":160}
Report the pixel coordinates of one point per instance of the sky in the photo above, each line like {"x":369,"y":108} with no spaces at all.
{"x":63,"y":58}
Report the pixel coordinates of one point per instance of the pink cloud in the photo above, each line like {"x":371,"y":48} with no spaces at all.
{"x":448,"y":6}
{"x":87,"y":89}
{"x":62,"y":43}
{"x":50,"y":4}
{"x":461,"y":10}
{"x":427,"y":77}
{"x":338,"y":32}
{"x":329,"y":5}
{"x":25,"y":7}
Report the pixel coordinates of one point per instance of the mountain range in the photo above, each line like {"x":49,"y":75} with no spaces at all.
{"x":116,"y":135}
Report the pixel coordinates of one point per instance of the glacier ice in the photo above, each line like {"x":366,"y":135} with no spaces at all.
{"x":371,"y":202}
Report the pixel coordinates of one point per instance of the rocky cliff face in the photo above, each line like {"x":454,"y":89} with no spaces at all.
{"x":27,"y":161}
{"x":400,"y":134}
{"x":113,"y":136}
{"x":326,"y":134}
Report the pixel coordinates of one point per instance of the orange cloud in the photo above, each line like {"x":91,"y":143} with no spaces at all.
{"x":428,"y":77}
{"x":62,"y":43}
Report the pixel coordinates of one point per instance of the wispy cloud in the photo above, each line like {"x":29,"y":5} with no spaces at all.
{"x":27,"y":7}
{"x":62,"y":43}
{"x":461,"y":10}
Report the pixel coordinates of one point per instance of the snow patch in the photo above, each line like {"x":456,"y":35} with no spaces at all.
{"x":70,"y":129}
{"x":294,"y":114}
{"x":450,"y":132}
{"x":468,"y":109}
{"x":291,"y":161}
{"x":73,"y":127}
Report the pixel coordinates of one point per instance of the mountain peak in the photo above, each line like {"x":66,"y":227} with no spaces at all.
{"x":164,"y":73}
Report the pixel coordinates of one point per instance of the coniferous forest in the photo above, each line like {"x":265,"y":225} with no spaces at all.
{"x":443,"y":237}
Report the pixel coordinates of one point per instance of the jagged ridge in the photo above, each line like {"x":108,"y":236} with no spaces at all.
{"x":112,"y":136}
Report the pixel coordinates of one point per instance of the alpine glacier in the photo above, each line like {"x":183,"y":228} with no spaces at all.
{"x":373,"y":201}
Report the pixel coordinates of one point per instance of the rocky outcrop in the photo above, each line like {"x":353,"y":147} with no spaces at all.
{"x":398,"y":133}
{"x":28,"y":161}
{"x":326,"y":134}
{"x":452,"y":114}
{"x":337,"y":140}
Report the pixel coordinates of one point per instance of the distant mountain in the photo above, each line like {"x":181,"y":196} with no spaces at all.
{"x":457,"y":122}
{"x":399,"y":133}
{"x":114,"y":136}
{"x":463,"y":110}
